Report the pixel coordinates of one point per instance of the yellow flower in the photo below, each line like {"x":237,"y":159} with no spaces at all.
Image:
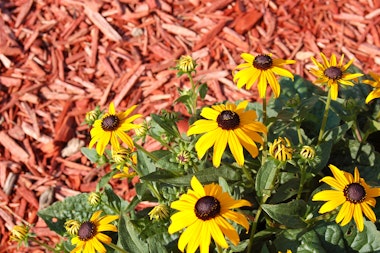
{"x":159,"y":212}
{"x":111,"y":126}
{"x":262,"y":69}
{"x":307,"y":152}
{"x":94,"y":198}
{"x":89,"y":237}
{"x":352,"y":193}
{"x":124,"y":159}
{"x":375,"y":83}
{"x":203,"y":212}
{"x":228,"y":124}
{"x":331,"y":73}
{"x":186,"y":64}
{"x":19,"y":233}
{"x":287,"y":251}
{"x":281,"y":149}
{"x":72,"y":227}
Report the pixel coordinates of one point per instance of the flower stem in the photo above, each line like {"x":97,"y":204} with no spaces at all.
{"x":264,"y":199}
{"x":117,"y":248}
{"x":302,"y":181}
{"x":254,"y":225}
{"x":51,"y":249}
{"x":325,"y":116}
{"x":193,"y":95}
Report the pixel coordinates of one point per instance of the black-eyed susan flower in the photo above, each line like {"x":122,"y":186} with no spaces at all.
{"x":375,"y":83}
{"x":94,"y":198}
{"x":111,"y":126}
{"x":352,"y":193}
{"x":261,"y":69}
{"x":20,"y":234}
{"x":333,"y":73}
{"x":228,"y":124}
{"x":124,"y":159}
{"x":90,"y":237}
{"x":159,"y":212}
{"x":72,"y":227}
{"x":307,"y":152}
{"x":204,"y":211}
{"x":186,"y":64}
{"x":281,"y":149}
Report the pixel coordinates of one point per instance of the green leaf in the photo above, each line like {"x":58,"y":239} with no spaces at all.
{"x":105,"y":179}
{"x":113,"y":199}
{"x":365,"y":241}
{"x":168,"y":125}
{"x":202,"y":89}
{"x":207,"y":175}
{"x":285,"y":191}
{"x":288,"y":214}
{"x":129,"y":238}
{"x":266,"y":175}
{"x":71,"y":208}
{"x":91,"y":154}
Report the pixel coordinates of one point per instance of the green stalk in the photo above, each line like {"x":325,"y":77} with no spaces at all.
{"x":260,"y":209}
{"x":117,"y":248}
{"x":302,"y":181}
{"x":43,"y":244}
{"x":193,"y":95}
{"x":325,"y":116}
{"x":254,"y":225}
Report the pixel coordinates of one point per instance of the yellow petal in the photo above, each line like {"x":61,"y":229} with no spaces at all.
{"x":262,"y":85}
{"x":228,"y":230}
{"x":111,"y":109}
{"x":216,"y":233}
{"x":205,"y":142}
{"x":339,"y":175}
{"x":219,"y":147}
{"x":181,"y":220}
{"x":372,"y":95}
{"x":358,"y":217}
{"x":368,"y":212}
{"x":275,"y":86}
{"x":202,"y":126}
{"x":197,"y":186}
{"x":236,"y":148}
{"x":98,"y":246}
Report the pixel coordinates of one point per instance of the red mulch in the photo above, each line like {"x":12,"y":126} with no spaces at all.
{"x":61,"y":58}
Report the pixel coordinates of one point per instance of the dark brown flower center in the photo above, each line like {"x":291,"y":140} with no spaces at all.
{"x":110,"y":123}
{"x":355,"y":193}
{"x":334,"y":73}
{"x":228,"y":120}
{"x":263,"y":62}
{"x":86,"y":231}
{"x":207,"y":208}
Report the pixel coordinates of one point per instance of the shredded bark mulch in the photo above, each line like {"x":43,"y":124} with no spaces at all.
{"x":61,"y":58}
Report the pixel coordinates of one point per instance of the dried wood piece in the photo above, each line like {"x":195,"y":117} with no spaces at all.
{"x":102,"y":24}
{"x":18,"y":153}
{"x":244,"y":22}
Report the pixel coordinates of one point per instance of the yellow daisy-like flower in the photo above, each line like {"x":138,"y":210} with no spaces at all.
{"x":228,"y":124}
{"x":159,"y":212}
{"x":111,"y":126}
{"x":203,"y":212}
{"x":19,"y":233}
{"x":89,"y":237}
{"x":352,"y":193}
{"x":281,"y":149}
{"x":331,"y":73}
{"x":186,"y":64}
{"x":375,"y":83}
{"x":261,"y":68}
{"x":72,"y":227}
